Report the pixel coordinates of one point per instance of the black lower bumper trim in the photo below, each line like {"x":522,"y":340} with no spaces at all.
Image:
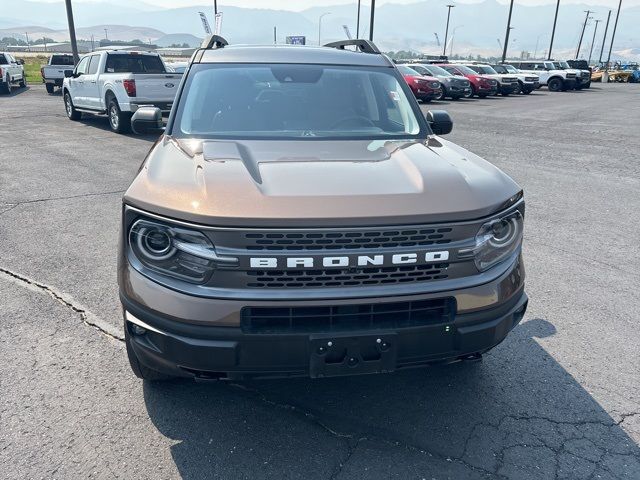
{"x":222,"y":352}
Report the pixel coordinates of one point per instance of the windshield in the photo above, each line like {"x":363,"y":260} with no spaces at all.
{"x":437,"y":71}
{"x":290,"y":101}
{"x":510,"y":68}
{"x":485,"y":70}
{"x":466,"y":70}
{"x":407,"y":70}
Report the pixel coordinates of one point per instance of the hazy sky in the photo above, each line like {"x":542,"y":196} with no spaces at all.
{"x":302,"y":4}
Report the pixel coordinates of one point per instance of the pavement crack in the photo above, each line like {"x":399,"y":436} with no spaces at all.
{"x":50,"y":199}
{"x":624,"y":416}
{"x":87,"y":318}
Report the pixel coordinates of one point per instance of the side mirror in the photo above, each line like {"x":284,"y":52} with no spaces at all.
{"x":147,"y":120}
{"x":20,"y":61}
{"x":68,"y":73}
{"x":439,"y":121}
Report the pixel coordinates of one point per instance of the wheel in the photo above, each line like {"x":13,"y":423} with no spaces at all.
{"x":470,"y":94}
{"x":6,"y":88}
{"x":441,"y":95}
{"x":50,"y":87}
{"x":72,"y":113}
{"x":138,"y":369}
{"x":119,"y":121}
{"x":518,"y":89}
{"x":555,"y":85}
{"x":23,"y":82}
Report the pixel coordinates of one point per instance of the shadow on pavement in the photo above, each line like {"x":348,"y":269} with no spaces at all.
{"x":518,"y":414}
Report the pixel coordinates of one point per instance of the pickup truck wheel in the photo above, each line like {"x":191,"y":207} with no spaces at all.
{"x":49,"y":87}
{"x":119,"y":121}
{"x":555,"y":85}
{"x":138,"y":369}
{"x":6,"y":88}
{"x":23,"y":83}
{"x":518,"y":89}
{"x":72,"y":113}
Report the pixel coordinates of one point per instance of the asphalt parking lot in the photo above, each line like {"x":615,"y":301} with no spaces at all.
{"x":558,"y":399}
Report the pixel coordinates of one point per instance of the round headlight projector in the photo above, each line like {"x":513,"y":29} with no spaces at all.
{"x":155,"y":243}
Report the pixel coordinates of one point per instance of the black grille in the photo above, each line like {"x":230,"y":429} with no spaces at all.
{"x":349,"y":240}
{"x":270,"y":320}
{"x":345,"y":278}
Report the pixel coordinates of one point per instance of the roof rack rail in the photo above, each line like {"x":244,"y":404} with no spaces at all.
{"x":365,"y":46}
{"x":214,"y":41}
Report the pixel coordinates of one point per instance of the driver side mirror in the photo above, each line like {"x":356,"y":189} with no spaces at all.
{"x":439,"y":121}
{"x":147,"y":120}
{"x":68,"y":74}
{"x":20,"y":61}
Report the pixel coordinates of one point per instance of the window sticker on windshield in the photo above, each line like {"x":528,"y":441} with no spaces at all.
{"x":394,"y":96}
{"x":110,"y":70}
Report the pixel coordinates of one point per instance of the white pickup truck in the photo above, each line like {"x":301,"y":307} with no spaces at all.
{"x":53,"y":72}
{"x":117,"y":83}
{"x":11,"y":73}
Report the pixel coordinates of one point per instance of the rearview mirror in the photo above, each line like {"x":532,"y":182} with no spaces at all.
{"x":68,"y":73}
{"x":439,"y":121}
{"x":147,"y":120}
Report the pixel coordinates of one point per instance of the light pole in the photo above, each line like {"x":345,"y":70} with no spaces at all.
{"x":446,"y":30}
{"x":506,"y":36}
{"x":553,"y":31}
{"x":215,"y":7}
{"x":604,"y":38}
{"x":320,"y":25}
{"x":593,"y":41}
{"x":584,"y":26}
{"x":453,"y":35}
{"x":358,"y":22}
{"x":613,"y":35}
{"x":106,"y":36}
{"x":72,"y":31}
{"x":372,"y":19}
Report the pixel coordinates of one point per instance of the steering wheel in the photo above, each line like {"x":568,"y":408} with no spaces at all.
{"x":358,"y":118}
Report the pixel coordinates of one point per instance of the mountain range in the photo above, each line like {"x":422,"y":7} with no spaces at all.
{"x":479,"y":27}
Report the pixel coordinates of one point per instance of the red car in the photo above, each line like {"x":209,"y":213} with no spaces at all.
{"x":423,"y":87}
{"x":481,"y":86}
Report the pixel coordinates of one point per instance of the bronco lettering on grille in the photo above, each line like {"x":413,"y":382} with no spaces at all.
{"x":348,"y":260}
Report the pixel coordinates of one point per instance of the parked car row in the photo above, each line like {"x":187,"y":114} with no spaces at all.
{"x":473,"y":79}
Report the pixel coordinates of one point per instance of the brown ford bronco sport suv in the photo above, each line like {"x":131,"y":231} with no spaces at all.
{"x":300,"y":216}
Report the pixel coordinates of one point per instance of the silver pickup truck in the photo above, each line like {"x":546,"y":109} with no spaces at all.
{"x":117,"y":83}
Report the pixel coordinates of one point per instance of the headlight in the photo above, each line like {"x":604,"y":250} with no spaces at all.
{"x":178,"y":252}
{"x":496,"y":241}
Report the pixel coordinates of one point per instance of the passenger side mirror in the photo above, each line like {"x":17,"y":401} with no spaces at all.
{"x":68,"y":73}
{"x":439,"y":121}
{"x":20,"y":61}
{"x":147,"y":120}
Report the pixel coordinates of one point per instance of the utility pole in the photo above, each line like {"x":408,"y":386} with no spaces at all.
{"x":26,"y":34}
{"x":358,"y":22}
{"x":72,"y":31}
{"x":604,"y":39}
{"x":553,"y":31}
{"x":584,"y":26}
{"x":446,"y":30}
{"x":106,"y":36}
{"x":215,"y":7}
{"x":275,"y":35}
{"x":613,"y":35}
{"x":593,"y":41}
{"x":506,"y":37}
{"x":372,"y":19}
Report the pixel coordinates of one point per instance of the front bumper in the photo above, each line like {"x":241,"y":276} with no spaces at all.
{"x":507,"y":88}
{"x":214,"y":345}
{"x":569,"y":84}
{"x":427,"y":94}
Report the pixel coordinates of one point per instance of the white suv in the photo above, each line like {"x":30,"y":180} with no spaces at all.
{"x":11,"y":73}
{"x":527,"y":82}
{"x":555,"y":79}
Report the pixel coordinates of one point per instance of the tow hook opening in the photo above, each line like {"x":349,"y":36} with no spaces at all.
{"x":474,"y":357}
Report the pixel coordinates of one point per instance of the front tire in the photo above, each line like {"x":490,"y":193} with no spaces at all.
{"x":50,"y":87}
{"x":518,"y":89}
{"x":119,"y":121}
{"x":23,"y":83}
{"x":72,"y":113}
{"x":6,"y":89}
{"x":554,"y":85}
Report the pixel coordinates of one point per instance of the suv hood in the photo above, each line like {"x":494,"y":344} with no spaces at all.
{"x":317,"y":183}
